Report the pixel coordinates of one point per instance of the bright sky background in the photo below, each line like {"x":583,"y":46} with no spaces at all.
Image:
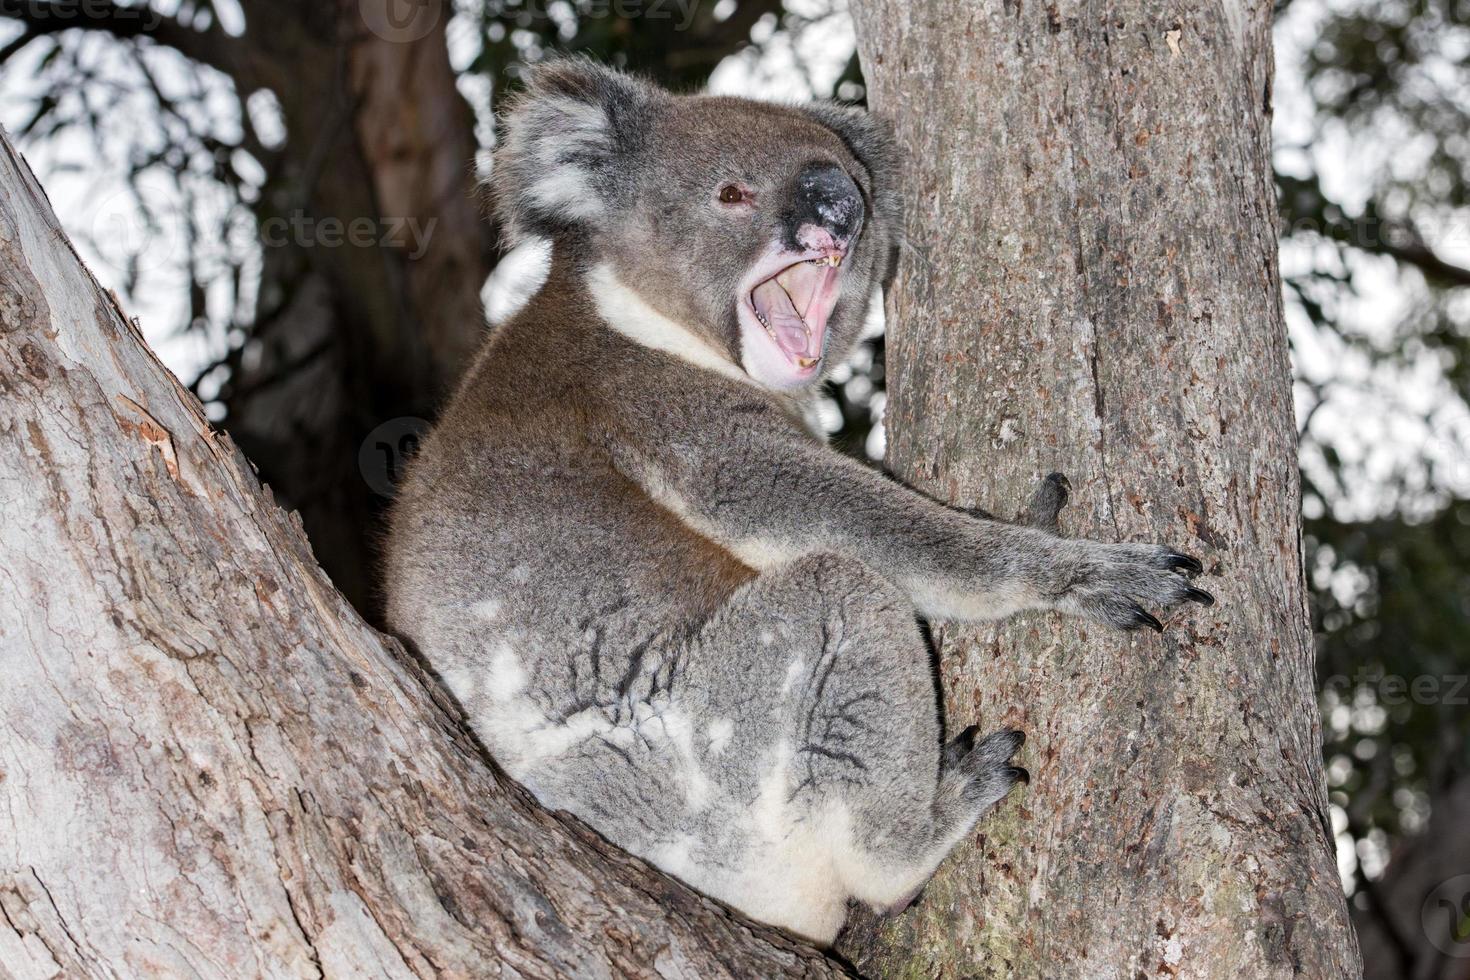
{"x":1392,"y":419}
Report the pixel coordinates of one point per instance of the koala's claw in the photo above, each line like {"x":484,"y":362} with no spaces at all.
{"x":1188,"y":564}
{"x":986,"y":764}
{"x":960,"y":746}
{"x":1142,"y":618}
{"x":1118,"y":584}
{"x":1048,"y":501}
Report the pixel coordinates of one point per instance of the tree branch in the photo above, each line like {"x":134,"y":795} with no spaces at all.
{"x":1399,"y":951}
{"x":212,"y":763}
{"x":1306,"y":207}
{"x":1422,"y":257}
{"x":718,"y":39}
{"x":211,"y":46}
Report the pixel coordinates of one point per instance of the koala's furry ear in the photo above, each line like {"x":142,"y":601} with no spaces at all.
{"x":869,"y":138}
{"x":564,"y":146}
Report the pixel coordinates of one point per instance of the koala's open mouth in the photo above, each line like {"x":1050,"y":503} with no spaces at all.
{"x":793,"y":306}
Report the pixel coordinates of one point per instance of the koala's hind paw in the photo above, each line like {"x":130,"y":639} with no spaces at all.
{"x":986,"y":764}
{"x":1116,"y":583}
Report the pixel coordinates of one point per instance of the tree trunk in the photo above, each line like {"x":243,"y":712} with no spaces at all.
{"x":1089,"y":284}
{"x":209,"y":765}
{"x":364,"y":329}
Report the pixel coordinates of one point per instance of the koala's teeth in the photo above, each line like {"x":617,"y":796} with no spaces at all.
{"x":805,"y":362}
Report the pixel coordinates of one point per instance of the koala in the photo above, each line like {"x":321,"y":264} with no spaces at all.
{"x":664,"y":605}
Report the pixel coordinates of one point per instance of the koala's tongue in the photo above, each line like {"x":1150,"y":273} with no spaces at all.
{"x":787,"y":304}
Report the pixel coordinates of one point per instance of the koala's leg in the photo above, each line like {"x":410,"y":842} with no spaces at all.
{"x":817,"y":678}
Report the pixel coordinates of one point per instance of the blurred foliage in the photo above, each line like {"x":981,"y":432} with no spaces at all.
{"x":1388,"y":534}
{"x":678,"y":44}
{"x":1391,"y":612}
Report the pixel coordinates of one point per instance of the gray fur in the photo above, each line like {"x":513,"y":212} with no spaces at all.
{"x":662,"y":604}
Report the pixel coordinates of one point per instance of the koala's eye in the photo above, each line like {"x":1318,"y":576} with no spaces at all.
{"x":731,"y":194}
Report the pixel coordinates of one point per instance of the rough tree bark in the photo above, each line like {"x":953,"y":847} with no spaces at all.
{"x":209,"y":765}
{"x":1089,"y":284}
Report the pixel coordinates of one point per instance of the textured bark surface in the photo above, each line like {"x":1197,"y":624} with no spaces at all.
{"x":209,"y":765}
{"x":1089,"y":284}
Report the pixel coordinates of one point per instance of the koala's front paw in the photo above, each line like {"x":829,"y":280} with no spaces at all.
{"x":986,"y":764}
{"x":1113,"y":583}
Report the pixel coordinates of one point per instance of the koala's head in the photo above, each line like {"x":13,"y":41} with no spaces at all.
{"x":762,"y":227}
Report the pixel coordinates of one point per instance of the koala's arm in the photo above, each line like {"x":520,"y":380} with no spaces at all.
{"x":770,"y":497}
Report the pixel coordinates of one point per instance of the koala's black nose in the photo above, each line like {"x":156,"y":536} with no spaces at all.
{"x":825,"y":196}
